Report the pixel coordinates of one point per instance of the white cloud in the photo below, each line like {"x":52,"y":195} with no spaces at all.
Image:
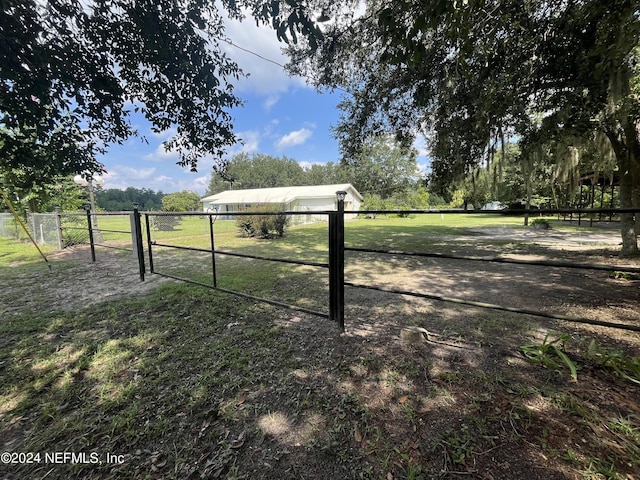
{"x":251,"y":142}
{"x":270,"y":101}
{"x":297,"y":137}
{"x":160,"y":154}
{"x":265,"y":77}
{"x":307,"y":164}
{"x":201,"y":183}
{"x":252,"y":138}
{"x":121,"y":177}
{"x":420,"y":144}
{"x":136,"y":173}
{"x":423,"y":168}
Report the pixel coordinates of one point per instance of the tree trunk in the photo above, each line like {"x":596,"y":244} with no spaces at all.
{"x":634,"y":168}
{"x":526,"y":172}
{"x":627,"y":220}
{"x":627,"y":166}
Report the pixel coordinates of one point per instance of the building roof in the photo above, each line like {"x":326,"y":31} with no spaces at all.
{"x":279,"y":194}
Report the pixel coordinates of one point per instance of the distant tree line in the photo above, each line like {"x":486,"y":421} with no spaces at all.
{"x":383,"y":171}
{"x":114,"y":200}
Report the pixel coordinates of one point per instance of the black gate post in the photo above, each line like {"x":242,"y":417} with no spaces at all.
{"x":87,"y":208}
{"x":332,"y":266}
{"x":149,"y":242}
{"x":213,"y":250}
{"x":59,"y":227}
{"x":336,"y":263}
{"x":138,"y":240}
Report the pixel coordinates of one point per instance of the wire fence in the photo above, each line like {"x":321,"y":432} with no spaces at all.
{"x":336,"y":249}
{"x":126,"y":231}
{"x":43,"y":227}
{"x":68,"y":229}
{"x":9,"y":227}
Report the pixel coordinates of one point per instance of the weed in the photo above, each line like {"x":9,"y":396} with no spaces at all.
{"x":570,"y":456}
{"x":541,"y":224}
{"x":627,"y":367}
{"x":624,"y":425}
{"x":623,"y":275}
{"x":547,"y":352}
{"x":599,"y":469}
{"x":455,"y":378}
{"x":570,"y":404}
{"x":411,"y":470}
{"x":457,"y":446}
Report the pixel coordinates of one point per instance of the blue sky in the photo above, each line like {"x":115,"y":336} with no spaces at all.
{"x":281,"y":116}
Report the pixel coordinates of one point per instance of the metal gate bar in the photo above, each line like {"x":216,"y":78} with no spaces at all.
{"x":151,"y":243}
{"x":543,"y":263}
{"x":491,"y":306}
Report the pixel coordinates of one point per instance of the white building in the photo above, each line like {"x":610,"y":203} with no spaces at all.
{"x":290,"y":199}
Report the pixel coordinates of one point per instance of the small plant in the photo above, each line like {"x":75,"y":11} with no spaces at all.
{"x":548,"y":353}
{"x":280,"y":223}
{"x":623,"y":275}
{"x":541,"y":224}
{"x":627,"y":367}
{"x":457,"y":446}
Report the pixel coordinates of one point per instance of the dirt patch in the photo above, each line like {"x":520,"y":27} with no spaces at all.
{"x":74,"y":281}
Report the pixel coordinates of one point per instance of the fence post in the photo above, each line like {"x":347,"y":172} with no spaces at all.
{"x":58,"y":227}
{"x":213,"y":250}
{"x":137,"y":233}
{"x":149,"y":242}
{"x":87,"y":208}
{"x":336,"y":263}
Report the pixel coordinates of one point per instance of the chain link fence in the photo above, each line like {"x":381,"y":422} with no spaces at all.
{"x":9,"y":227}
{"x":43,"y":227}
{"x":66,"y":229}
{"x":73,"y":230}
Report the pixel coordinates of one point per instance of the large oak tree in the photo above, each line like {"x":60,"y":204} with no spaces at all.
{"x":469,"y":73}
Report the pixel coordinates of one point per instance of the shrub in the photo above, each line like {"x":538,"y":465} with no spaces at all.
{"x":245,"y":224}
{"x":280,"y":223}
{"x":374,"y":202}
{"x":263,"y":226}
{"x":541,"y":224}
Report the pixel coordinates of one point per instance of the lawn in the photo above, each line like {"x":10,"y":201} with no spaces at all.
{"x":162,"y":379}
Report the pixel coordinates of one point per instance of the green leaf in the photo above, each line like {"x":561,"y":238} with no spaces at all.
{"x":568,"y":363}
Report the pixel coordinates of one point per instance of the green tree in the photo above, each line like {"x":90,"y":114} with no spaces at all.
{"x":472,"y":73}
{"x":184,"y":201}
{"x":325,"y":174}
{"x":382,"y":167}
{"x":72,"y":71}
{"x":114,"y":200}
{"x":26,"y":194}
{"x":245,"y":171}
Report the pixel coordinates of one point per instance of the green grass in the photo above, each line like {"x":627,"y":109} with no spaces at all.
{"x":309,"y":242}
{"x":187,"y":382}
{"x":417,"y":232}
{"x":19,"y":252}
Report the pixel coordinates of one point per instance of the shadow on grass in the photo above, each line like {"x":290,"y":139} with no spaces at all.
{"x":184,"y":382}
